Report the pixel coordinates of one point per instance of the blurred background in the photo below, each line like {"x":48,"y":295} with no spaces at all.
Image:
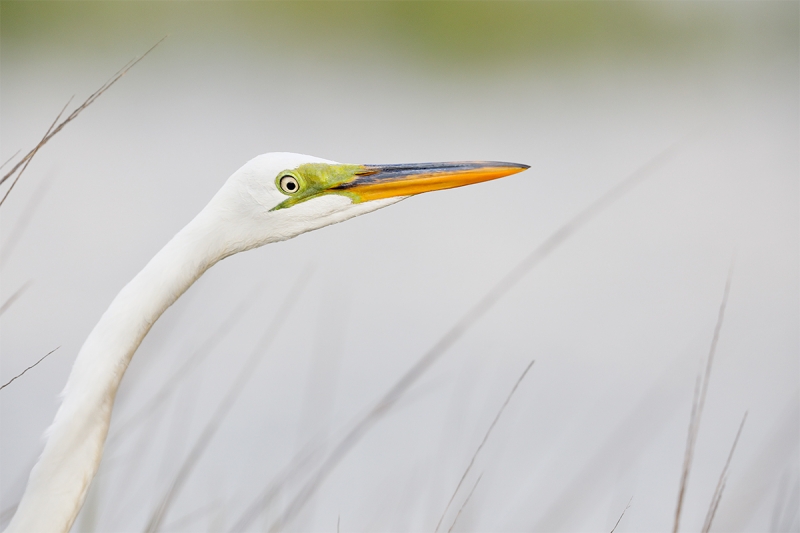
{"x":619,"y":318}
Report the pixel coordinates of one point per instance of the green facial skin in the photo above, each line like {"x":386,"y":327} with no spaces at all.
{"x":316,"y":179}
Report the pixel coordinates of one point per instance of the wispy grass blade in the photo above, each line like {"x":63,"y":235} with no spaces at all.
{"x":723,"y":478}
{"x":483,"y":442}
{"x":699,"y":403}
{"x":33,"y":152}
{"x":45,"y":356}
{"x":56,"y":127}
{"x":613,"y":529}
{"x":465,"y":323}
{"x":10,"y":159}
{"x":776,"y":454}
{"x":14,"y":297}
{"x":235,"y":390}
{"x":466,"y":501}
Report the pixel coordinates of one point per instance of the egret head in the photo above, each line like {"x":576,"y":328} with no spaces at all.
{"x":277,"y":196}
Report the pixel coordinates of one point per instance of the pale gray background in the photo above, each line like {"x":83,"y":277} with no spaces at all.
{"x":619,"y":319}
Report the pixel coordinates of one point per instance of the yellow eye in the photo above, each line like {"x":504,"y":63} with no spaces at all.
{"x":289,"y":184}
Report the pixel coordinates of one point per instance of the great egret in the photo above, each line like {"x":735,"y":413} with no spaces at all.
{"x":273,"y":197}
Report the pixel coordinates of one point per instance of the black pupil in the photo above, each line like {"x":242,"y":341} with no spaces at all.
{"x":290,"y":185}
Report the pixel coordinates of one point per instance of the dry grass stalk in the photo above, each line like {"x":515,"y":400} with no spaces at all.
{"x":487,"y":302}
{"x":33,"y":365}
{"x":10,"y":158}
{"x":699,"y":402}
{"x":236,"y":388}
{"x":58,"y":126}
{"x":466,"y":501}
{"x":613,"y":529}
{"x":32,"y":153}
{"x":14,"y":297}
{"x":480,"y":446}
{"x":723,"y":478}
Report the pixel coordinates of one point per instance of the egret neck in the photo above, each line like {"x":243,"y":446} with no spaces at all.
{"x":273,"y":197}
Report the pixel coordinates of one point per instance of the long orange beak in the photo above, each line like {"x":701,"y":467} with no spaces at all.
{"x":387,"y":181}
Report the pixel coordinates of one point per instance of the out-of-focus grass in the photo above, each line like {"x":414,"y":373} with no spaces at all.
{"x":471,"y":35}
